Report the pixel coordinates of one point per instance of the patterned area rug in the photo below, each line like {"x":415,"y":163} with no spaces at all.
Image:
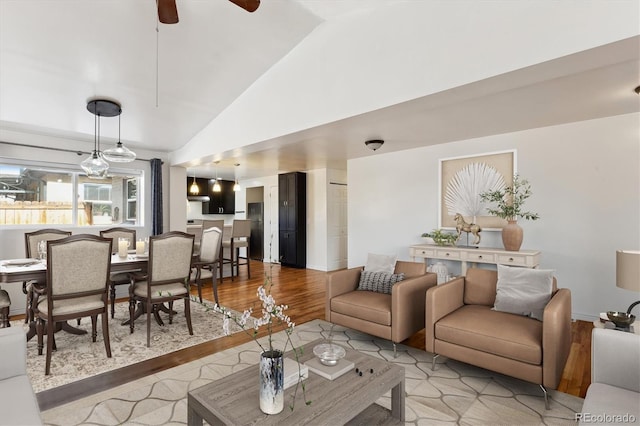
{"x":77,"y":357}
{"x":455,"y":393}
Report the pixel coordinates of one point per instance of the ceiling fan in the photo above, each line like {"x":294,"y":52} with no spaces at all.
{"x":168,"y":12}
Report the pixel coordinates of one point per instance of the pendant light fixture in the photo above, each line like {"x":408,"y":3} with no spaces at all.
{"x":236,"y":186}
{"x":95,"y":166}
{"x":194,"y":189}
{"x":119,"y":153}
{"x":216,"y":183}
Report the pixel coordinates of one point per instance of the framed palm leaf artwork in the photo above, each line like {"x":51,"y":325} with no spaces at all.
{"x":463,"y":179}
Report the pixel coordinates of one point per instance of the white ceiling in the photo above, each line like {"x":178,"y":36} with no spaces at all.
{"x":55,"y":55}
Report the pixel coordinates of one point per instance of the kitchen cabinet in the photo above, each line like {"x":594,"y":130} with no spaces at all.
{"x":292,"y":219}
{"x":202,"y":184}
{"x":223,"y":202}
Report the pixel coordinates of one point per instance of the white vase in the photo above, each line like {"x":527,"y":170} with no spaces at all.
{"x":441,"y":271}
{"x":271,"y":382}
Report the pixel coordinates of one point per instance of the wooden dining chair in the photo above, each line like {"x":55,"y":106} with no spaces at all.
{"x":118,"y":278}
{"x":240,"y":236}
{"x":207,"y":264}
{"x":31,"y":241}
{"x":167,"y":278}
{"x":77,"y":283}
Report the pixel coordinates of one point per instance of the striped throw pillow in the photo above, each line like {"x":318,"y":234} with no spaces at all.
{"x":380,"y":282}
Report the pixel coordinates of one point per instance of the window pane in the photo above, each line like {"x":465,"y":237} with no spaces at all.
{"x":31,"y":195}
{"x":103,"y":200}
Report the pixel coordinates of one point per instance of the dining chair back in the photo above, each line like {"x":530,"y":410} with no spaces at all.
{"x":118,"y":278}
{"x":77,"y":282}
{"x":209,"y":260}
{"x":31,"y":241}
{"x":240,"y":236}
{"x":167,"y":278}
{"x":218,"y":223}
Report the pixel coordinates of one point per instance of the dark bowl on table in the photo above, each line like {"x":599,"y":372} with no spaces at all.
{"x":621,"y":319}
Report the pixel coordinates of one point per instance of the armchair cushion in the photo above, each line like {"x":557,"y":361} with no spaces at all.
{"x":523,"y":291}
{"x":380,"y":263}
{"x":379,"y":282}
{"x":365,"y":305}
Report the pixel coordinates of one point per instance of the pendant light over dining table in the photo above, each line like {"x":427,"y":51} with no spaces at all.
{"x":96,"y":166}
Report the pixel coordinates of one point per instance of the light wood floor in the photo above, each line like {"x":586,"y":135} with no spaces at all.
{"x":303,"y":291}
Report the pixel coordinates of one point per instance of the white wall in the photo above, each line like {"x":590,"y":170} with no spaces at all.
{"x":585,"y":179}
{"x":317,"y":219}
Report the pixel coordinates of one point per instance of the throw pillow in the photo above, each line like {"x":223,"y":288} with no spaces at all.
{"x":380,"y":282}
{"x":523,"y":291}
{"x":380,"y":263}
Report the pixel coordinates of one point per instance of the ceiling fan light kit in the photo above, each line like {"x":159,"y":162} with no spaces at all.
{"x":374,"y":144}
{"x":95,"y":166}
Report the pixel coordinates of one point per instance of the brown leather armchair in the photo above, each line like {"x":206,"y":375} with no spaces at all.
{"x":396,"y":316}
{"x":460,"y":324}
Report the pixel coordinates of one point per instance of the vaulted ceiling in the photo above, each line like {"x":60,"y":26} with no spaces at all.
{"x":172,"y":83}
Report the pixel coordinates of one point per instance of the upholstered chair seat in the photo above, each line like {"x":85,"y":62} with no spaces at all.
{"x":77,"y":284}
{"x":167,"y":278}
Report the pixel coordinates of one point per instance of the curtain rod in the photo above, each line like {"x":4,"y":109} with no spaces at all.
{"x":75,"y":151}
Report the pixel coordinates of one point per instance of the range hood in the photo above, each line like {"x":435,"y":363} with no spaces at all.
{"x":198,"y":198}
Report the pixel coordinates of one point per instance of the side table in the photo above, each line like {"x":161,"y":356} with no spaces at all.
{"x":634,"y":328}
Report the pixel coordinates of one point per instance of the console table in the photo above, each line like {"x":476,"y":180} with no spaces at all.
{"x":465,"y":255}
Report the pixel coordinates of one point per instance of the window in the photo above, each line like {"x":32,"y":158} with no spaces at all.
{"x":44,"y":195}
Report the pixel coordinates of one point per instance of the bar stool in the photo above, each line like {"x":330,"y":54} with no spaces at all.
{"x":5,"y":304}
{"x":240,"y":235}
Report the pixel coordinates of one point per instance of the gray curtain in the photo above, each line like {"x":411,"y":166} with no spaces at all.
{"x":156,"y":196}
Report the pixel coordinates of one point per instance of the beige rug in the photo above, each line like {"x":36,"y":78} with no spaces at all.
{"x":77,"y":357}
{"x":453,"y":394}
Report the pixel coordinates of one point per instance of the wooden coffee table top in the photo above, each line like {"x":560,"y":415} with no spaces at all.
{"x":234,"y":399}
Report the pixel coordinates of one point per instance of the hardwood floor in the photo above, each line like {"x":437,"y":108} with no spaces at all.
{"x":303,"y":291}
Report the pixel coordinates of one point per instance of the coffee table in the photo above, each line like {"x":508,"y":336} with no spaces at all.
{"x":234,"y":399}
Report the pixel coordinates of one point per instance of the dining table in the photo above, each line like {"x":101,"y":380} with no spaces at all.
{"x":23,"y":270}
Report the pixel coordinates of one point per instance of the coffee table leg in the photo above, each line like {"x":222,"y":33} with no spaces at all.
{"x":193,"y":418}
{"x":397,"y":401}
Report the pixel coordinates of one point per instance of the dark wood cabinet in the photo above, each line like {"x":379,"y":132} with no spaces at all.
{"x":202,"y":185}
{"x":223,"y":202}
{"x":292,"y":219}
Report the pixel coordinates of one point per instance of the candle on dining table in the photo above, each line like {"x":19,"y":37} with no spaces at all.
{"x":140,"y":247}
{"x":123,"y":247}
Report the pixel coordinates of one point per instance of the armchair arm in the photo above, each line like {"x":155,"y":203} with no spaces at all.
{"x":441,"y":300}
{"x":407,"y":305}
{"x":340,"y":282}
{"x":13,"y":352}
{"x":615,"y":358}
{"x":556,"y":337}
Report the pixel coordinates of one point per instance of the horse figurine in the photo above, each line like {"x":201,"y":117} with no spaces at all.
{"x":461,"y":226}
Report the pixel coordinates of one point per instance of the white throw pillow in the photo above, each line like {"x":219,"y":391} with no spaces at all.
{"x":380,"y":263}
{"x":523,"y":291}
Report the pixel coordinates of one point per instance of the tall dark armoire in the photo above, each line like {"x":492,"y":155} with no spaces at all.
{"x":292,"y":218}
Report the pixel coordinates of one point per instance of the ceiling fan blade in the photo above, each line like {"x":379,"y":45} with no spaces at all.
{"x":167,"y":11}
{"x":248,"y":5}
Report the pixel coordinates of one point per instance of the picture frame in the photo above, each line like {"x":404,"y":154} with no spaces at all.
{"x":463,"y":179}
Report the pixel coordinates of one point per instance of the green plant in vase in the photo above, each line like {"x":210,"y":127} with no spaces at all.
{"x":509,"y":205}
{"x":441,"y":238}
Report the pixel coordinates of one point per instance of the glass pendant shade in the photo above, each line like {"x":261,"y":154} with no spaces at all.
{"x":119,"y":154}
{"x":95,"y":167}
{"x":216,"y":186}
{"x":194,"y":188}
{"x":236,"y":186}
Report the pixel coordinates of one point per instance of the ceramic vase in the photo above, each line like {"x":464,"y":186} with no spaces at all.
{"x":271,"y":382}
{"x":441,"y":271}
{"x":512,"y":235}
